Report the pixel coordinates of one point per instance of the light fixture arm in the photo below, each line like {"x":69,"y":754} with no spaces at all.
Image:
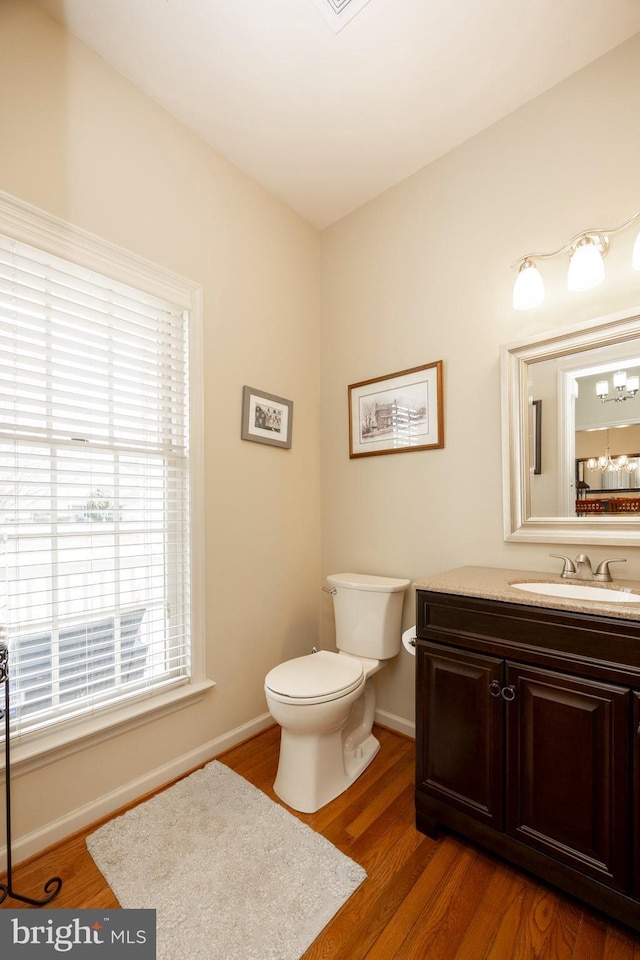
{"x":574,"y":240}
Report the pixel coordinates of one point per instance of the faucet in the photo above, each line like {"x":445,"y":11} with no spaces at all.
{"x":584,"y":570}
{"x":581,"y":568}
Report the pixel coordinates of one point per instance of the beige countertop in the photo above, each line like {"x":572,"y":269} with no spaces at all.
{"x":494,"y":583}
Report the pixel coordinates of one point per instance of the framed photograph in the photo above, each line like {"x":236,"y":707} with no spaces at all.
{"x":399,"y":413}
{"x":266,"y":418}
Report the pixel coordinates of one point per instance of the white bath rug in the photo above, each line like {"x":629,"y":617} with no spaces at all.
{"x":232,"y":875}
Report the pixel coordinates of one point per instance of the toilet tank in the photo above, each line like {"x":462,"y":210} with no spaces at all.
{"x":368,"y":614}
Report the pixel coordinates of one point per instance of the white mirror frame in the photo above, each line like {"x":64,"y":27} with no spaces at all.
{"x":516,"y":443}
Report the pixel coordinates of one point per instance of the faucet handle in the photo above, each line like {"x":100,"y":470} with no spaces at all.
{"x":603,"y":572}
{"x":569,"y":566}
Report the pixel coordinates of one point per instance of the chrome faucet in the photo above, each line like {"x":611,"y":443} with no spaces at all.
{"x":581,"y":569}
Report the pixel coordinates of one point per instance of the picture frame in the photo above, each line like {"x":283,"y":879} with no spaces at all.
{"x":399,"y":413}
{"x":266,"y":418}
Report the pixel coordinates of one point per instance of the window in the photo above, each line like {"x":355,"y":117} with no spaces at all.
{"x":94,"y":486}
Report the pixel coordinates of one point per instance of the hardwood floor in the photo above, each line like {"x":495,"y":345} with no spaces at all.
{"x":441,"y":900}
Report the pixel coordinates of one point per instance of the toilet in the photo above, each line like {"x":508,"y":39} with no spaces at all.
{"x":325,"y":702}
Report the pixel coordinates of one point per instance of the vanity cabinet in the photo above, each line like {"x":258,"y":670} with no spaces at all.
{"x":528,"y":740}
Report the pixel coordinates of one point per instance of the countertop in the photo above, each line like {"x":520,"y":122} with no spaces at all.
{"x":494,"y":583}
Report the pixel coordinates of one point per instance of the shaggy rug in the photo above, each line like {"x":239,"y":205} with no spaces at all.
{"x":232,"y":875}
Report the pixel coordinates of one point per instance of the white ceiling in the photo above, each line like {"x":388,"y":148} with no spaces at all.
{"x":327,"y":120}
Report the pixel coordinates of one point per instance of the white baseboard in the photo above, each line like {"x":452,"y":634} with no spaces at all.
{"x":57,"y":830}
{"x":399,"y":724}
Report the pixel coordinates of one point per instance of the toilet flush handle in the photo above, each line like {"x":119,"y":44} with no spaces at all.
{"x":331,"y":590}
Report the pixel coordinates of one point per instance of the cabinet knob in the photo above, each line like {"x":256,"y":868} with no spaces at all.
{"x":495,"y":689}
{"x":509,"y":693}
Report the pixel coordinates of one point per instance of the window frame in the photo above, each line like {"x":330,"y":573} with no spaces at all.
{"x":28,"y":224}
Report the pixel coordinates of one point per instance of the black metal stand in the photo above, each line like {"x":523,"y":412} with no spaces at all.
{"x":52,"y":886}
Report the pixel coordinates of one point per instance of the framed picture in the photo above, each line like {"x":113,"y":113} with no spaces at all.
{"x":266,"y":418}
{"x":398,"y":413}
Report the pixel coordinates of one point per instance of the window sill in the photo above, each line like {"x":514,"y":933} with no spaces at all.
{"x":45,"y":748}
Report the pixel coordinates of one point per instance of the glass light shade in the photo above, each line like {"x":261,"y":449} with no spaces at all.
{"x":586,"y":267}
{"x":622,"y":460}
{"x":602,"y":462}
{"x":633,"y":384}
{"x":620,"y":380}
{"x":592,"y":463}
{"x":602,"y":388}
{"x":528,"y":290}
{"x":635,"y":256}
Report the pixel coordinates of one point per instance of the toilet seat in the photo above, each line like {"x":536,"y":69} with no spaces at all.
{"x":315,"y":678}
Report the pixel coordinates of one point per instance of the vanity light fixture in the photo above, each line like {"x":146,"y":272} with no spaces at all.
{"x":587,"y":251}
{"x":586,"y":266}
{"x":621,"y":383}
{"x":529,"y":287}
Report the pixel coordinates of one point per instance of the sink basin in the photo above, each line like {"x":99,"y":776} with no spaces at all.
{"x":578,"y":591}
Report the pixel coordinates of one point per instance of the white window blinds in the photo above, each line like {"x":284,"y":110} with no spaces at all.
{"x":94,"y":488}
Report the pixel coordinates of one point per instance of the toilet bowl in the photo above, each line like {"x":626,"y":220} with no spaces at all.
{"x":321,"y":752}
{"x":325,"y":702}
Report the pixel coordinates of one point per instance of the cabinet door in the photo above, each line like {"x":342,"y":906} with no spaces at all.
{"x":568,"y":770}
{"x":459,"y":743}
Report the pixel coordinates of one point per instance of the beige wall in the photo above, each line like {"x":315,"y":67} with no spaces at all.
{"x":80,"y":142}
{"x":423,"y":273}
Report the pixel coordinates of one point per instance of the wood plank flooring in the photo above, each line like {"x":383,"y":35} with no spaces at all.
{"x":422,"y":899}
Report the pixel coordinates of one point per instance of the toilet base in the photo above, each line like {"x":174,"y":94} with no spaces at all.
{"x":357,"y":761}
{"x":313,"y":770}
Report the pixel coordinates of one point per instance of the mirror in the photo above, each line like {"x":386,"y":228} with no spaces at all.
{"x":571,"y":448}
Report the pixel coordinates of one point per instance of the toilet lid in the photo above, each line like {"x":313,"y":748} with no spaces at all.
{"x":321,"y":674}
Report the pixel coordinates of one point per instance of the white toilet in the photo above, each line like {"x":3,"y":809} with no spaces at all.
{"x":325,"y":702}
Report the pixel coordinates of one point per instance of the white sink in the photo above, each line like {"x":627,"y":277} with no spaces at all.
{"x":576,"y":591}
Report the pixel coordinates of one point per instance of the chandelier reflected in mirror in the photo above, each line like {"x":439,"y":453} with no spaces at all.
{"x":625,"y":388}
{"x":606,"y":462}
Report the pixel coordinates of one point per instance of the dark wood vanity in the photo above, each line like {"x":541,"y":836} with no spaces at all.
{"x":528,"y":739}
